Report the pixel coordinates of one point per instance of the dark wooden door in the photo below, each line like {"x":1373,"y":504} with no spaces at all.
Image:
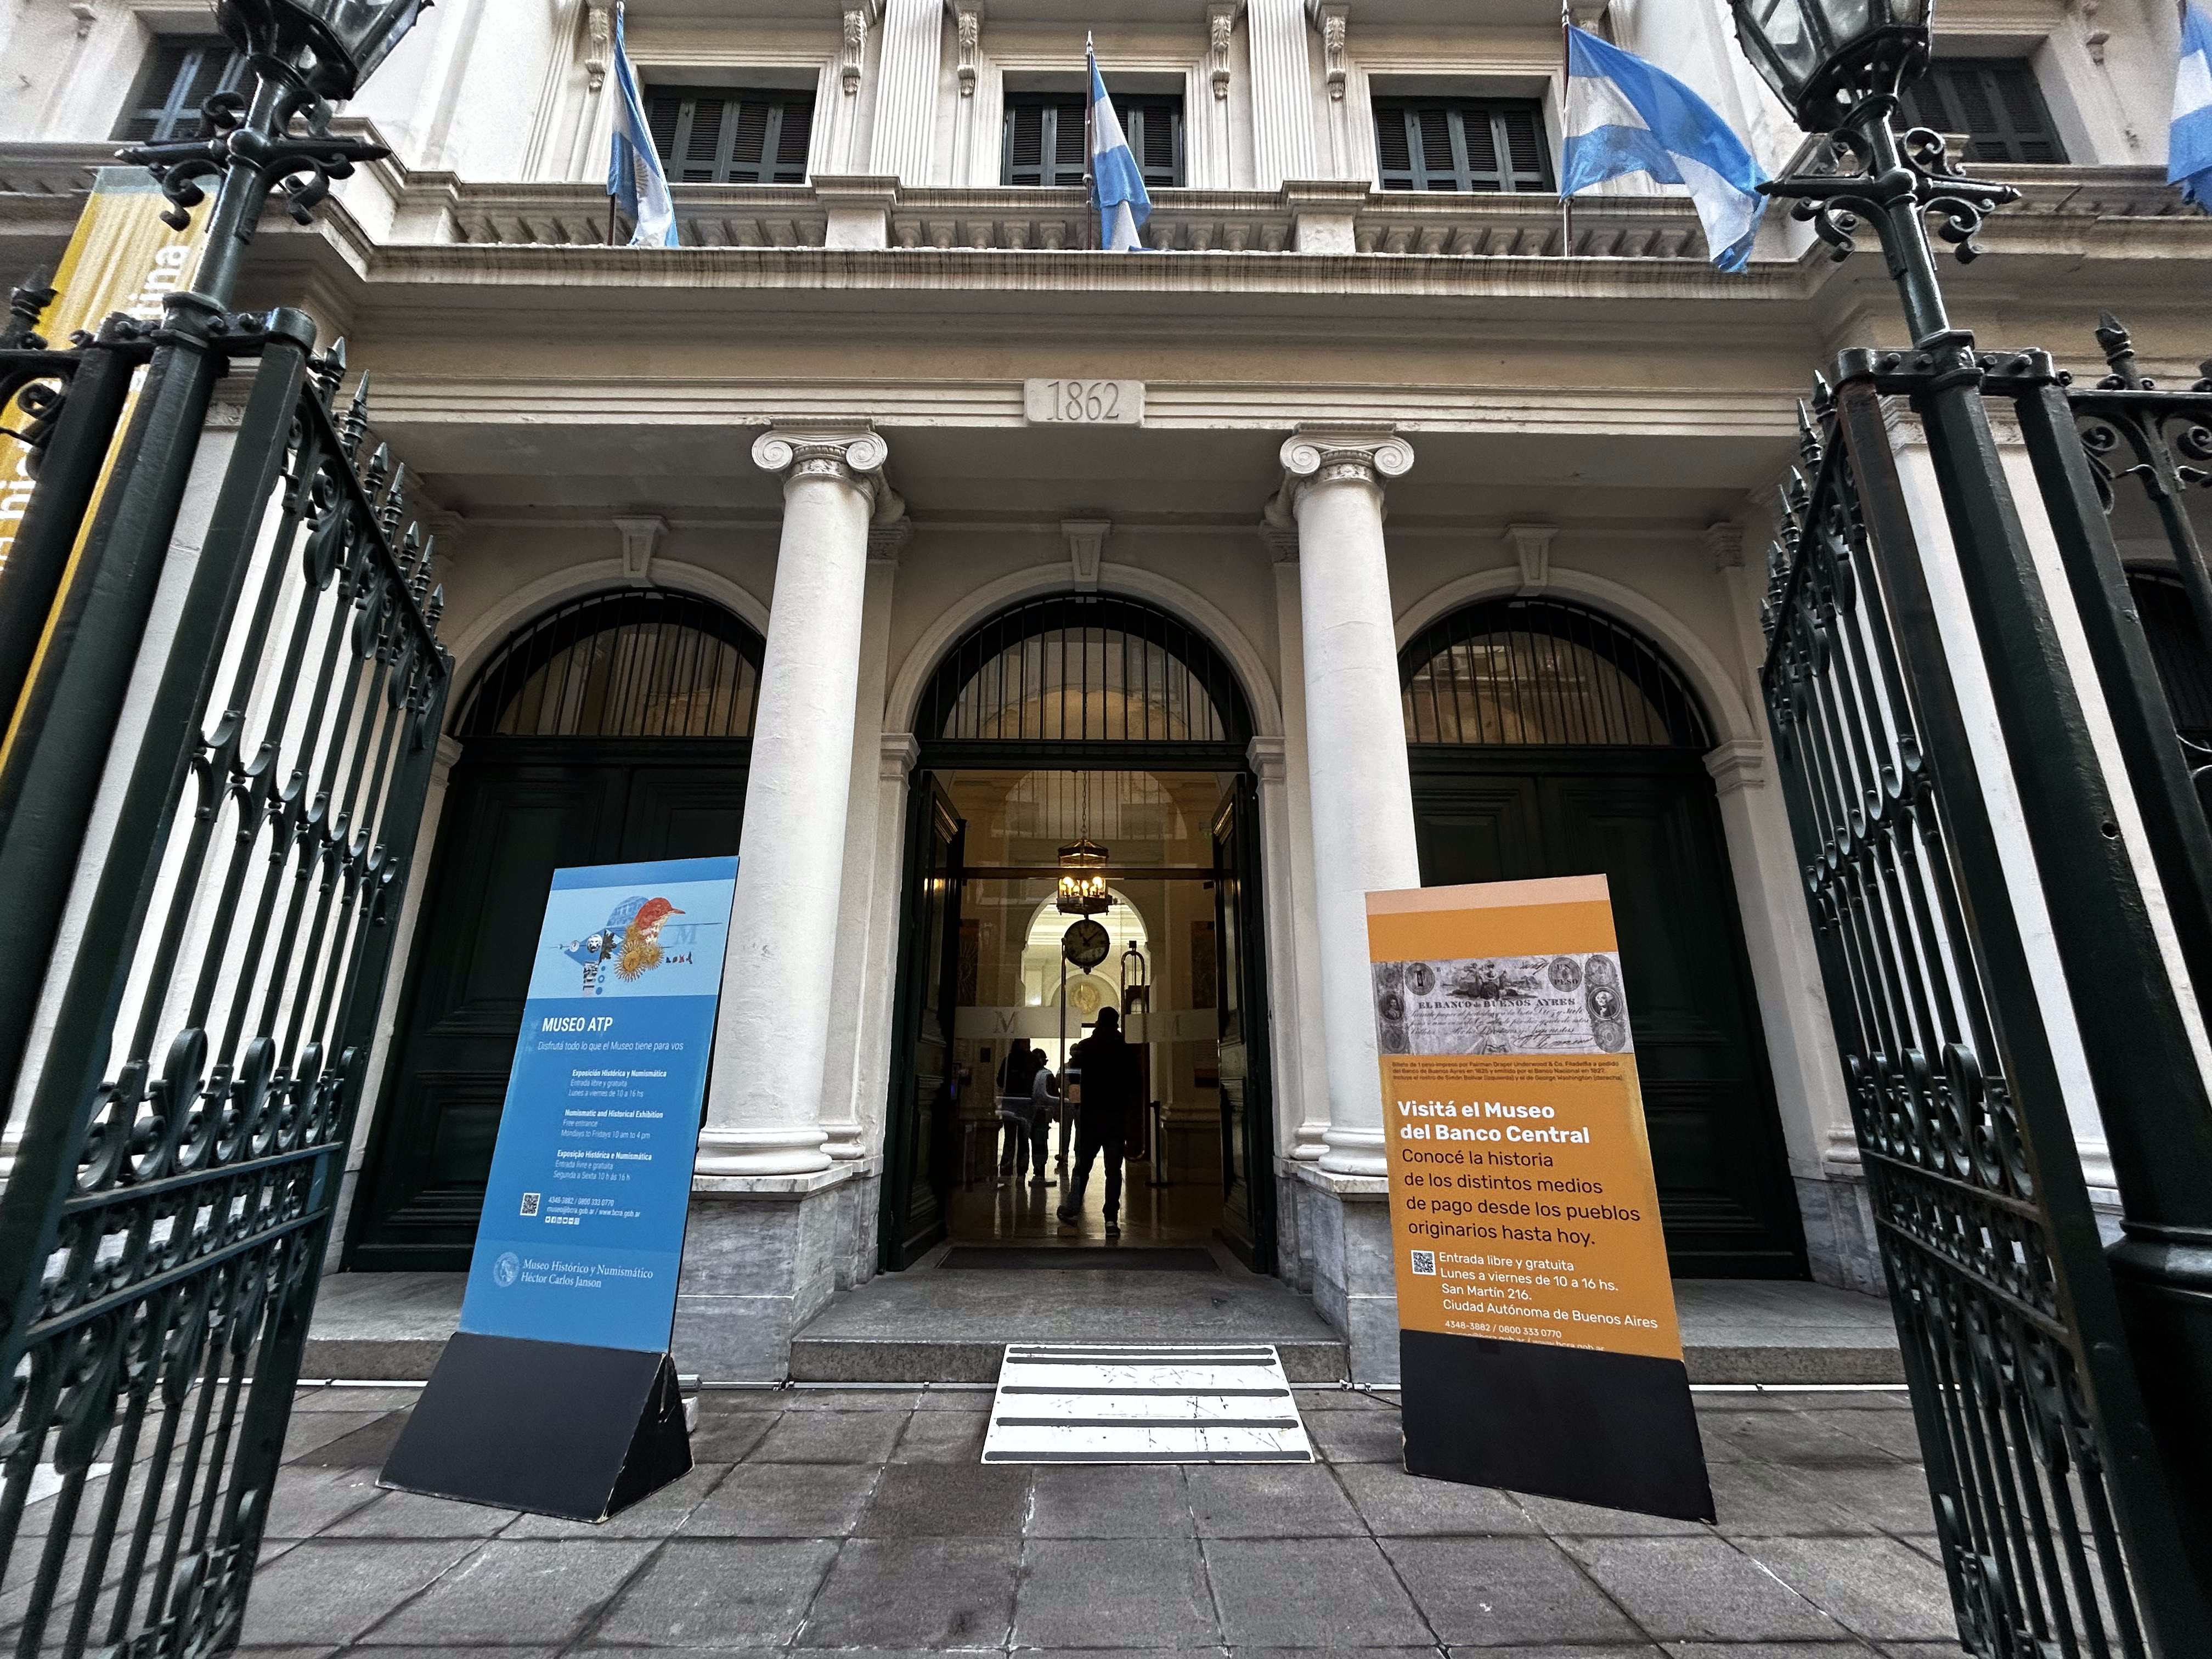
{"x":516,"y":809}
{"x":924,"y":1109}
{"x":1248,"y":1157}
{"x":1648,"y":822}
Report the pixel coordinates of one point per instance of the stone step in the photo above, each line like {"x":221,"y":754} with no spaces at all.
{"x":874,"y":1359}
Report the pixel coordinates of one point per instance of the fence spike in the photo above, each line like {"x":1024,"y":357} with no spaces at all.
{"x":25,"y":306}
{"x":356,"y":417}
{"x":380,"y":468}
{"x":394,"y":507}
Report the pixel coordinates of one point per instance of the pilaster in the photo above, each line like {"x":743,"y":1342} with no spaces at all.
{"x":1282,"y":92}
{"x":907,"y":69}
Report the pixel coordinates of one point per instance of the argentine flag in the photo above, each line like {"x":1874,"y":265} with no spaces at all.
{"x":2189,"y":148}
{"x":634,"y":175}
{"x":1117,"y":184}
{"x":1625,"y":115}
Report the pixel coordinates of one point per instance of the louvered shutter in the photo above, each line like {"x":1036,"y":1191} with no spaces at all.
{"x":1153,"y":127}
{"x":1043,"y":142}
{"x":179,"y":76}
{"x":733,"y":136}
{"x":1460,"y":145}
{"x":1994,"y":102}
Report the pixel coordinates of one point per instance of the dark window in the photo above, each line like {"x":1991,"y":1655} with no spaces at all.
{"x":2177,"y":649}
{"x":182,"y":72}
{"x":730,"y":135}
{"x":1044,"y":140}
{"x":1457,"y":143}
{"x":1993,"y":101}
{"x":1153,"y":127}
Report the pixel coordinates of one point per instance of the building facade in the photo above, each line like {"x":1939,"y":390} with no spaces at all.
{"x":1376,"y":526}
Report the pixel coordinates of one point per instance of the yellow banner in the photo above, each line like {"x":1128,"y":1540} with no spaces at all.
{"x":121,"y":257}
{"x":1522,"y":1206}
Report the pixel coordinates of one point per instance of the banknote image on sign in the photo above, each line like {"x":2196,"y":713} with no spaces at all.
{"x":1537,"y":1332}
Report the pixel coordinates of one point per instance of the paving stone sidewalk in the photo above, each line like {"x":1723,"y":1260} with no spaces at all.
{"x":831,"y":1520}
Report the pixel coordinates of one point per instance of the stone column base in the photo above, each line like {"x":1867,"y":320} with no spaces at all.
{"x":762,"y":1255}
{"x":1841,"y":1246}
{"x":1343,"y":1232}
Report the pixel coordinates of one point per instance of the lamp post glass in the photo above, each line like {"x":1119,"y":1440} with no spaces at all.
{"x":348,"y":37}
{"x":1811,"y":50}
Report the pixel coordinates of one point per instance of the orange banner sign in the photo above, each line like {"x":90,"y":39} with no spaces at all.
{"x":1524,"y":1218}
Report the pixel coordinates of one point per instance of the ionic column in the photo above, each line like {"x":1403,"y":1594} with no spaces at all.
{"x":764,"y":1109}
{"x":1361,"y":789}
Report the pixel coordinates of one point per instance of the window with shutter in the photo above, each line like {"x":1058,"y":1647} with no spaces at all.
{"x":1993,"y":101}
{"x":1044,"y":139}
{"x":1153,"y":127}
{"x":180,"y":74}
{"x":1461,"y":144}
{"x":731,"y":135}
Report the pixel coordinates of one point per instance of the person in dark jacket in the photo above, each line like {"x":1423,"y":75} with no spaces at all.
{"x":1113,"y":1094}
{"x":1017,"y":1075}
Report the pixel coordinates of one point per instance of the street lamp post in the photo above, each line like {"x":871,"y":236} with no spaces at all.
{"x":1839,"y":65}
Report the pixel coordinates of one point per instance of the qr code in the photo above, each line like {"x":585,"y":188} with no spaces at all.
{"x":530,"y":1203}
{"x":1424,"y":1262}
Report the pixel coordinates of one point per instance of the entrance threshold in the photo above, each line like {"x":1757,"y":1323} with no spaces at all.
{"x":934,"y":1323}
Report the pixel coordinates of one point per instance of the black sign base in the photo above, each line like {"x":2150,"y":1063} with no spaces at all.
{"x":1611,"y":1428}
{"x":551,"y":1427}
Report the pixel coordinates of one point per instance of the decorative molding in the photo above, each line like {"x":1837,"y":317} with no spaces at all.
{"x":860,"y":15}
{"x":598,"y":40}
{"x":2092,"y":37}
{"x":968,"y":19}
{"x":1724,"y":540}
{"x":1736,"y":763}
{"x":1269,"y":759}
{"x":1532,"y":545}
{"x":1220,"y":30}
{"x":887,"y":539}
{"x":1086,"y":548}
{"x":86,"y":14}
{"x":1333,"y":20}
{"x":896,"y":756}
{"x":1282,"y":539}
{"x":1314,"y":454}
{"x":444,"y":530}
{"x":640,"y":536}
{"x":851,"y":451}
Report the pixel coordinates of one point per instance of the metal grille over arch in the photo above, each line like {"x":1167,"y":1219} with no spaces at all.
{"x":1534,"y":670}
{"x":1085,"y":669}
{"x":644,"y":663}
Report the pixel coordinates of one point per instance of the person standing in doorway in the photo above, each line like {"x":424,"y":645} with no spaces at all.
{"x":1044,"y":1097}
{"x":1110,"y":1091}
{"x":1016,"y":1073}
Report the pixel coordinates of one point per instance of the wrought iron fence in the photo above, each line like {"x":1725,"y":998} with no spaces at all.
{"x":2059,"y":1531}
{"x":163,"y":1226}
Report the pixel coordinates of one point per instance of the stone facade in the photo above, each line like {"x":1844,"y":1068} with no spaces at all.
{"x":1365,"y":409}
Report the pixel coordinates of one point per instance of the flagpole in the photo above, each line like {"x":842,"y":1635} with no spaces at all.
{"x":1090,"y":181}
{"x":1566,"y":69}
{"x":610,"y":194}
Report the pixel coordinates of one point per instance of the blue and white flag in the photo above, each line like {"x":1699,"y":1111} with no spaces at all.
{"x":1625,"y":116}
{"x":633,"y":175}
{"x":1117,"y":183}
{"x":2189,"y":148}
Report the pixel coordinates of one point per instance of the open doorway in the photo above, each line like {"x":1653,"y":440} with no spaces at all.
{"x":1062,"y":720}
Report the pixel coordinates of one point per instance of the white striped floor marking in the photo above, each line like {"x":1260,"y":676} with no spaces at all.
{"x":1109,"y":1403}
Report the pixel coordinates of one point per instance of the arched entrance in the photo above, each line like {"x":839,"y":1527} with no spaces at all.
{"x":1098,"y":716}
{"x":615,"y":728}
{"x":1547,"y":739}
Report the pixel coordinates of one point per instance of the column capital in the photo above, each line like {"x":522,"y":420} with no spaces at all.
{"x":850,"y":452}
{"x":1269,"y":759}
{"x":1365,"y":453}
{"x":898,"y":754}
{"x":1736,"y":763}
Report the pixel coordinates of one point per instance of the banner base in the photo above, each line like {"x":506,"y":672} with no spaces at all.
{"x":1615,"y":1430}
{"x":554,"y":1428}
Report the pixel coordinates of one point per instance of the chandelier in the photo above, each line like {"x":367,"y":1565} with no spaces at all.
{"x":1083,"y":878}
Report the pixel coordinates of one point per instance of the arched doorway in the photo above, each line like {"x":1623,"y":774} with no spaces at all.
{"x":1083,"y":715}
{"x":615,"y":728}
{"x":1547,"y":739}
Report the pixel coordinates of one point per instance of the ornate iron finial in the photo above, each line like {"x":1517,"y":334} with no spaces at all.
{"x":355,"y":423}
{"x":329,"y":369}
{"x":2119,"y":349}
{"x":1808,"y":438}
{"x":436,"y":608}
{"x":424,"y":564}
{"x":25,"y":306}
{"x":394,"y":507}
{"x":380,"y":469}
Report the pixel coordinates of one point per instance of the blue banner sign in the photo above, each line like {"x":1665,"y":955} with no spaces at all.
{"x":582,"y":1232}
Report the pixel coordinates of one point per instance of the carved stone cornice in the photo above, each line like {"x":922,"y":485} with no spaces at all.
{"x":1736,"y":763}
{"x":851,"y":453}
{"x":598,"y":40}
{"x":897,"y":753}
{"x":858,"y":16}
{"x":1269,"y":759}
{"x":1362,"y":453}
{"x":1333,"y":22}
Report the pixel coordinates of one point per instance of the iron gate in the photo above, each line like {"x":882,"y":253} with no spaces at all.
{"x":2057,"y":1512}
{"x":163,"y":1226}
